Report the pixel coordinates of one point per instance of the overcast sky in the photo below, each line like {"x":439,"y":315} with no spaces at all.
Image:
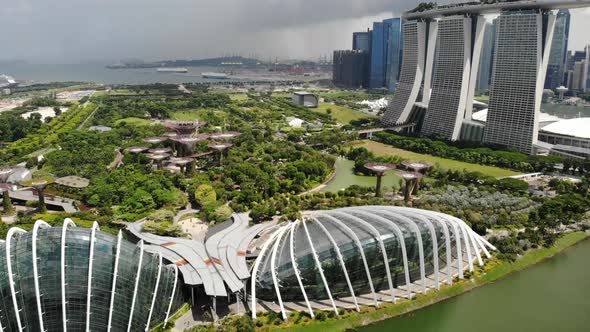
{"x":71,"y":31}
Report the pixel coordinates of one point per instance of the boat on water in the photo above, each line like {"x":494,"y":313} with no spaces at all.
{"x":172,"y":70}
{"x":217,"y":76}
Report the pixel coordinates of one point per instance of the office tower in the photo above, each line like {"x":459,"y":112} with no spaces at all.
{"x":361,"y":41}
{"x":585,"y":76}
{"x":378,"y":56}
{"x":394,"y":53}
{"x":556,"y":65}
{"x":487,"y":58}
{"x":412,"y":72}
{"x":578,"y":78}
{"x":520,"y":62}
{"x":450,"y":80}
{"x":350,"y":69}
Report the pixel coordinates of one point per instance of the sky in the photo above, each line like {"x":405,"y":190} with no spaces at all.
{"x":74,"y":31}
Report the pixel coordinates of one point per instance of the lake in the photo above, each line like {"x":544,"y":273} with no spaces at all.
{"x":548,"y":297}
{"x":345,"y":177}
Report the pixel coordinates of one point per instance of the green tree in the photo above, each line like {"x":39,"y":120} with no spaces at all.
{"x":205,"y":195}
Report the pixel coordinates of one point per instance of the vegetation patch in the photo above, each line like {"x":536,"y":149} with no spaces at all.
{"x":387,"y":150}
{"x":492,"y":271}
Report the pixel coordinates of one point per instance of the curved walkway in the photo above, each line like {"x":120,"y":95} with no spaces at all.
{"x":215,"y":264}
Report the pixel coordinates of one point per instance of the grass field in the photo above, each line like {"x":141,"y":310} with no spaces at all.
{"x":238,"y":96}
{"x":341,"y":114}
{"x":383,"y":149}
{"x":185,"y":115}
{"x":135,"y":121}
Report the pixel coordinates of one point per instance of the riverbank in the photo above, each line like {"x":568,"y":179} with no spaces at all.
{"x":492,"y":271}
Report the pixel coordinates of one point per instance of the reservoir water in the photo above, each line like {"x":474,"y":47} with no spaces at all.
{"x":345,"y":177}
{"x":552,"y":296}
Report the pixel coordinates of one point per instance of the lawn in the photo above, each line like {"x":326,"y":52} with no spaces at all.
{"x":341,"y":114}
{"x":383,"y":149}
{"x":238,"y":96}
{"x":185,"y":115}
{"x":135,"y":121}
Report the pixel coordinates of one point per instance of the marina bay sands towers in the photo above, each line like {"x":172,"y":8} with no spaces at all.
{"x":441,"y":58}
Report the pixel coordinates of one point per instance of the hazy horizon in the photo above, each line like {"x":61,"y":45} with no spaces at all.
{"x":104,"y":31}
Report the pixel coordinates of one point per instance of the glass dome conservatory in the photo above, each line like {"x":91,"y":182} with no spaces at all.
{"x":375,"y":252}
{"x":76,"y":279}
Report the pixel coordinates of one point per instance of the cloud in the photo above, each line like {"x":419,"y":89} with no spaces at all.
{"x":81,"y":30}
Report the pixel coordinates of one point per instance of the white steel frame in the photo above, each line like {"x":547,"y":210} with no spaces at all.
{"x":115,"y":275}
{"x":12,"y":232}
{"x":38,"y":224}
{"x":90,"y":264}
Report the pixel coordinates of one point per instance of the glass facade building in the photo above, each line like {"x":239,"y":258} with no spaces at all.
{"x":361,"y":41}
{"x":386,"y":51}
{"x":348,"y":252}
{"x":76,"y":279}
{"x":557,"y":57}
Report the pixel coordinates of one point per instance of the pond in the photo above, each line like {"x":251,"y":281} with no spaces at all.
{"x":551,"y":296}
{"x":345,"y":177}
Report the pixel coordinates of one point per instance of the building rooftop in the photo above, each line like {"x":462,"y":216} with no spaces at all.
{"x":497,"y":7}
{"x":571,"y":127}
{"x":481,"y":116}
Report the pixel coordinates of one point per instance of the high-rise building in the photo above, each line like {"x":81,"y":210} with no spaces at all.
{"x":557,"y":57}
{"x":361,"y":41}
{"x":411,"y":74}
{"x":517,"y":78}
{"x":585,"y":74}
{"x":487,"y":58}
{"x":450,"y":80}
{"x":350,"y":69}
{"x":386,"y":43}
{"x":578,"y":78}
{"x":378,"y":56}
{"x":394,"y":53}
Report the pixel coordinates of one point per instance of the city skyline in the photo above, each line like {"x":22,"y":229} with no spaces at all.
{"x":45,"y":33}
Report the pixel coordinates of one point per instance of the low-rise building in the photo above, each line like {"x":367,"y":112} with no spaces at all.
{"x":306,"y":99}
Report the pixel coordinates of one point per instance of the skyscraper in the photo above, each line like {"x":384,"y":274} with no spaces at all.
{"x":361,"y":41}
{"x":394,"y":53}
{"x":378,"y":56}
{"x":412,"y":72}
{"x":386,"y":51}
{"x":450,"y":80}
{"x":557,"y":57}
{"x":350,"y":68}
{"x":517,"y":79}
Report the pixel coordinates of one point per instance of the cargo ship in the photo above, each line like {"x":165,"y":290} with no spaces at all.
{"x":217,"y":76}
{"x":172,"y":70}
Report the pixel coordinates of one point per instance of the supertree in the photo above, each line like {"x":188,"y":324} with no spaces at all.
{"x":40,"y":184}
{"x":5,"y":189}
{"x":160,"y":151}
{"x":418,"y":167}
{"x":220,"y":148}
{"x":224,"y":136}
{"x":379,"y":169}
{"x":411,"y":179}
{"x":181,"y":163}
{"x":136,"y":150}
{"x":185,"y":127}
{"x":154,"y":141}
{"x":187,"y":143}
{"x":158,"y":158}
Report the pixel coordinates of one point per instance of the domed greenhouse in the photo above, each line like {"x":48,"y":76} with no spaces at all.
{"x":77,"y":279}
{"x":362,"y":255}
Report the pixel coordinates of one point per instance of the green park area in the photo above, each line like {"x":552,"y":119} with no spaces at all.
{"x":386,"y":150}
{"x":132,"y":121}
{"x":341,"y":114}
